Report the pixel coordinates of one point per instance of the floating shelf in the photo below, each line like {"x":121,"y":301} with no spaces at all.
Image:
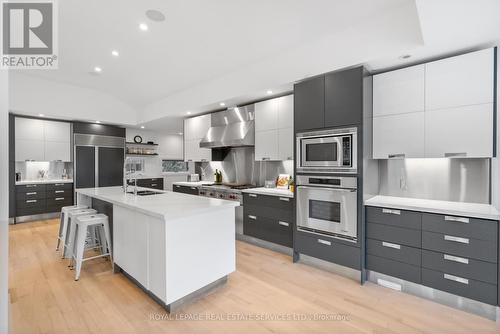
{"x":142,"y":155}
{"x":141,"y":144}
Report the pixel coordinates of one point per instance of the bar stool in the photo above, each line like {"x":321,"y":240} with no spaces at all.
{"x":63,"y":222}
{"x":68,"y":244}
{"x":101,"y":223}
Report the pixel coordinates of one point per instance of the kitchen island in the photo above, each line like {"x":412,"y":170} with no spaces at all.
{"x":174,"y":246}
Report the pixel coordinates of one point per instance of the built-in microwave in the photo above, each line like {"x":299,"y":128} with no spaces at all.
{"x":327,"y":151}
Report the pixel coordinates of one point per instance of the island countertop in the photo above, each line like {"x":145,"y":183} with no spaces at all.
{"x":166,"y":205}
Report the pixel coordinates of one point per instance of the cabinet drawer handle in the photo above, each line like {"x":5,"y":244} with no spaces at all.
{"x":31,"y":201}
{"x":457,"y":219}
{"x":59,"y":184}
{"x":153,"y":185}
{"x":252,"y":217}
{"x":456,"y":279}
{"x":33,"y":193}
{"x":453,"y":154}
{"x":59,"y":198}
{"x":177,"y":186}
{"x":397,"y":155}
{"x":252,"y":195}
{"x":59,"y":191}
{"x":456,"y":259}
{"x":325,"y":242}
{"x":456,"y":239}
{"x":392,"y":212}
{"x":31,"y":186}
{"x":391,"y":245}
{"x":283,"y":223}
{"x":284,"y":199}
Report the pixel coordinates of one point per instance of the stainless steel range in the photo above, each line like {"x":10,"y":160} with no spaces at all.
{"x":231,"y":193}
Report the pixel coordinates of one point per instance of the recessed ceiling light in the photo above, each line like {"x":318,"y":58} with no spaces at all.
{"x":97,"y":69}
{"x":180,"y":133}
{"x":404,"y":56}
{"x":41,"y":115}
{"x":143,"y":27}
{"x":155,"y":15}
{"x":222,"y":104}
{"x":115,"y":53}
{"x":269,"y":92}
{"x":142,"y":126}
{"x":98,"y":122}
{"x":188,"y":113}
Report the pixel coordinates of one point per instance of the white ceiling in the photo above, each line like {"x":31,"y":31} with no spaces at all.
{"x":234,"y":50}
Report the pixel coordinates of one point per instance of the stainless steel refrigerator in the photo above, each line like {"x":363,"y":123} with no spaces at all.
{"x":98,"y":160}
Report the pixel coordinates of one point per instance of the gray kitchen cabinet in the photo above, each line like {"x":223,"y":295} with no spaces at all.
{"x":309,"y":104}
{"x":190,"y":190}
{"x":274,"y":129}
{"x":35,"y":199}
{"x":344,"y":97}
{"x":455,"y":254}
{"x":269,"y":218}
{"x":399,"y":92}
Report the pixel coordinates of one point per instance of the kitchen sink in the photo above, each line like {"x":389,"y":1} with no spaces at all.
{"x":145,"y":192}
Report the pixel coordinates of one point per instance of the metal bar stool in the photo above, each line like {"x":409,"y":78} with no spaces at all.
{"x":63,"y":222}
{"x":67,"y":250}
{"x":101,"y":223}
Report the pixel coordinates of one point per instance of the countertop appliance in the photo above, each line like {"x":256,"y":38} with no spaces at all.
{"x":231,"y":193}
{"x":99,"y":160}
{"x":327,"y":205}
{"x":327,"y":151}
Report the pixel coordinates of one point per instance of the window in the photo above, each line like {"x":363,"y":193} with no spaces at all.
{"x":174,"y":166}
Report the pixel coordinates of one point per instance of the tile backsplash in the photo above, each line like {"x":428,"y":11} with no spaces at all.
{"x":53,"y":170}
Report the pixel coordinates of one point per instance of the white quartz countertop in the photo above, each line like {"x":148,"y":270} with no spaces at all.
{"x":192,"y":184}
{"x":44,"y":181}
{"x":167,"y":205}
{"x":270,"y":191}
{"x":475,"y":210}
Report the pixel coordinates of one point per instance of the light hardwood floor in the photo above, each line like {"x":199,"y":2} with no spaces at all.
{"x":44,"y":298}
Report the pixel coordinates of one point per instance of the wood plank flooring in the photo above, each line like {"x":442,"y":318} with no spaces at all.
{"x":44,"y":298}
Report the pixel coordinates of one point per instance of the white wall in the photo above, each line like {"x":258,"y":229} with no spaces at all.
{"x":32,"y":96}
{"x":4,"y":201}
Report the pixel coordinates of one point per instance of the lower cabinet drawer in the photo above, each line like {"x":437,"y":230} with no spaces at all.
{"x":401,"y":270}
{"x":268,"y":229}
{"x":460,"y":266}
{"x":30,"y":207}
{"x":59,"y":201}
{"x":469,"y":288}
{"x":35,"y":194}
{"x":59,"y":193}
{"x":399,"y":235}
{"x":186,"y":190}
{"x":328,"y":249}
{"x":394,"y":251}
{"x":460,"y":246}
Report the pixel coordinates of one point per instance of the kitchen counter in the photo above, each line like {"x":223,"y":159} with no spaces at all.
{"x":269,"y":191}
{"x":175,"y":246}
{"x":20,"y":183}
{"x":475,"y":210}
{"x":192,"y":184}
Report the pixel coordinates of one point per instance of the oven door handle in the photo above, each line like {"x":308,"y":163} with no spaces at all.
{"x":329,"y":188}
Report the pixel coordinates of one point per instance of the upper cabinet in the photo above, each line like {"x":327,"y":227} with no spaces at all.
{"x":274,"y":129}
{"x":195,"y":129}
{"x":439,"y":109}
{"x":399,"y":92}
{"x":42,"y":140}
{"x":331,"y":100}
{"x":460,"y":81}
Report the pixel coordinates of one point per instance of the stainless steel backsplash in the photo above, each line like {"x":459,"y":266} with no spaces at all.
{"x":459,"y":180}
{"x":239,"y":166}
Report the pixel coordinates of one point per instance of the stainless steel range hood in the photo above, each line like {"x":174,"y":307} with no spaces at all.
{"x":234,"y":127}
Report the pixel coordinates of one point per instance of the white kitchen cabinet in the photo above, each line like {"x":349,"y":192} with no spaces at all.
{"x":266,"y":115}
{"x":193,"y":151}
{"x":274,"y":129}
{"x":460,"y":81}
{"x":460,"y":132}
{"x":285,"y":144}
{"x":54,"y":151}
{"x":398,"y":136}
{"x":266,"y":145}
{"x":57,"y":131}
{"x":28,"y":149}
{"x":29,"y":129}
{"x":399,"y":92}
{"x":197,"y":127}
